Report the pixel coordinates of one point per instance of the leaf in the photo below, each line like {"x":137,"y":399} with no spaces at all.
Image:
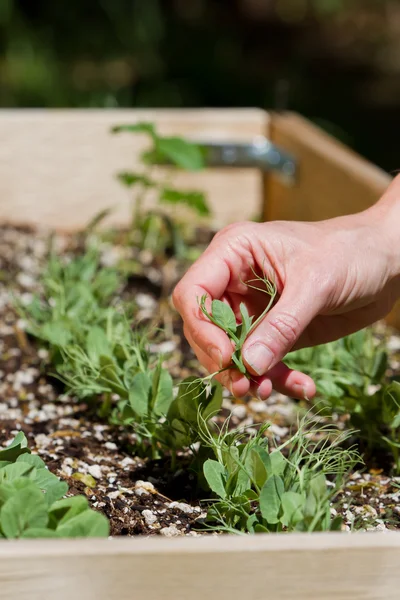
{"x":258,"y":470}
{"x":53,"y":488}
{"x":180,"y":152}
{"x":32,"y":459}
{"x":223,"y":316}
{"x":97,"y":344}
{"x":140,"y":127}
{"x":380,"y":366}
{"x":130,"y":179}
{"x":191,"y":199}
{"x":246,"y":322}
{"x":18,"y":446}
{"x":215,"y":475}
{"x":139,"y":394}
{"x":270,"y":499}
{"x":251,"y":521}
{"x":15,"y":471}
{"x":191,"y":395}
{"x":39,"y":532}
{"x":163,"y":396}
{"x":87,"y":524}
{"x":56,"y":333}
{"x":67,"y":508}
{"x":23,"y":510}
{"x":278,"y":462}
{"x":85,"y":478}
{"x":292,"y":505}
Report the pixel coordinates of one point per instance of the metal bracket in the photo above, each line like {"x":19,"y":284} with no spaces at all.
{"x":258,"y":154}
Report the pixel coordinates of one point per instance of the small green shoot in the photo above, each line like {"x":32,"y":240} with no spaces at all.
{"x":223,"y":317}
{"x":283,"y":489}
{"x":154,"y":229}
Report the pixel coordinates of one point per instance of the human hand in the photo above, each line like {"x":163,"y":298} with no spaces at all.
{"x":333,"y":278}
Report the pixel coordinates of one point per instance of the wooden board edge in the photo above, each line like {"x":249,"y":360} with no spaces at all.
{"x":226,"y":544}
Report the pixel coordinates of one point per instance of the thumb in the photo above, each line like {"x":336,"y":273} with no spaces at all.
{"x":277,"y":333}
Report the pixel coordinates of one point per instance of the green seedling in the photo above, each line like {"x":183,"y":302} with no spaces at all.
{"x":32,"y":503}
{"x":223,"y":317}
{"x":283,"y":489}
{"x":351,"y":378}
{"x":155,"y":229}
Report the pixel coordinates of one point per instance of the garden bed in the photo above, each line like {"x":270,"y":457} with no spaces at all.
{"x":139,"y":496}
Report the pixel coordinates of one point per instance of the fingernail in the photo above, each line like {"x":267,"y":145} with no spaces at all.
{"x":259,"y":357}
{"x":227,"y":382}
{"x":300,"y":391}
{"x":216,"y":356}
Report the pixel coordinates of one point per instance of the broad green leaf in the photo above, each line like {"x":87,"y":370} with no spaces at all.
{"x":191,"y":199}
{"x":139,"y":394}
{"x":223,"y":315}
{"x":97,"y":344}
{"x":56,"y":333}
{"x":181,"y":153}
{"x":17,"y":447}
{"x":67,"y":508}
{"x":32,"y":459}
{"x":251,"y":521}
{"x":215,"y":475}
{"x":380,"y":366}
{"x":270,"y":499}
{"x":15,"y":471}
{"x":163,"y":394}
{"x":37,"y":532}
{"x":24,"y":510}
{"x":278,"y":462}
{"x":292,"y":505}
{"x":53,"y":488}
{"x":258,"y":528}
{"x":191,"y":395}
{"x":258,"y":469}
{"x":86,"y":524}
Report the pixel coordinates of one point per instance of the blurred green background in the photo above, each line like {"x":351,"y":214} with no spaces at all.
{"x":335,"y":61}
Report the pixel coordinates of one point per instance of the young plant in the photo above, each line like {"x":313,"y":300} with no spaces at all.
{"x":285,"y":489}
{"x":223,"y":317}
{"x":351,"y":378}
{"x":156,"y":230}
{"x":32,"y":503}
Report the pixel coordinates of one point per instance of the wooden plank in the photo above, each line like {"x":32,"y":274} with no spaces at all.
{"x":331,"y":181}
{"x":57,"y":167}
{"x":302,"y":566}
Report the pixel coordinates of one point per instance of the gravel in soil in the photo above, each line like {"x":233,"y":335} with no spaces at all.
{"x":139,"y":497}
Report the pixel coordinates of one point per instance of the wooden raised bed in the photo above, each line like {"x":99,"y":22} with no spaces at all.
{"x":56,"y":169}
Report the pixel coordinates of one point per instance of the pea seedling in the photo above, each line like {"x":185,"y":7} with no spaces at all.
{"x":223,"y":317}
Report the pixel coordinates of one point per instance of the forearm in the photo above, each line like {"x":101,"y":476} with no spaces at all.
{"x":385,"y":217}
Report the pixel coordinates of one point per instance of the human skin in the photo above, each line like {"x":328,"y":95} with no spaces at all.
{"x":333,"y":278}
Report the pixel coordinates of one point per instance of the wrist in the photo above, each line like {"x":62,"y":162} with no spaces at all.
{"x":384,"y":218}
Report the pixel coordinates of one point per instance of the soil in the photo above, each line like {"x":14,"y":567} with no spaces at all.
{"x":140,"y":497}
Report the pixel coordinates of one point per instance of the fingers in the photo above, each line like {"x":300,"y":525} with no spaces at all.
{"x":286,"y":381}
{"x":232,"y":379}
{"x":278,"y":332}
{"x":208,"y":276}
